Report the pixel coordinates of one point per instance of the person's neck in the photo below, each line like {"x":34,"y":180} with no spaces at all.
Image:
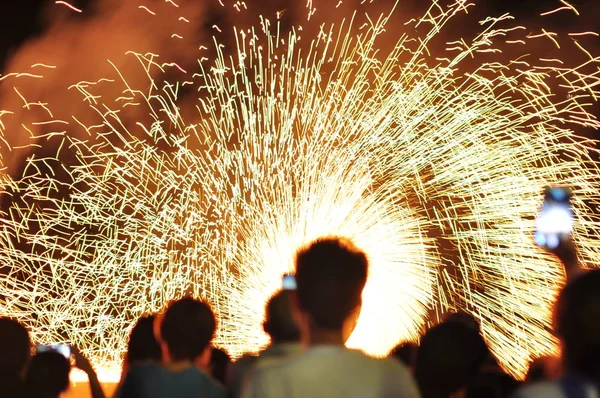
{"x":318,"y":336}
{"x":179,"y":365}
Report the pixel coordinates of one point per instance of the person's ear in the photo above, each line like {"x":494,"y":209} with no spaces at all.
{"x":301,"y":318}
{"x":294,"y":302}
{"x":166,"y":356}
{"x":351,"y":322}
{"x":297,"y":311}
{"x":156,"y":327}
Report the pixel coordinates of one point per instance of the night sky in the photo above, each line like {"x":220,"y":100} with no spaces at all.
{"x":20,"y":19}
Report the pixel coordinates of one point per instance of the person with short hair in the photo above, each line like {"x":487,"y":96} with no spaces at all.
{"x":142,"y":345}
{"x":15,"y":350}
{"x":186,"y":331}
{"x":48,"y":374}
{"x":282,"y":327}
{"x":545,"y":368}
{"x":449,"y":358}
{"x":406,"y":353}
{"x":331,"y":274}
{"x":219,"y":365}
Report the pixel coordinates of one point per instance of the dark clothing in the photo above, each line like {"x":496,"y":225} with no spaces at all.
{"x":154,"y":381}
{"x":570,"y":386}
{"x":492,"y":385}
{"x":13,"y":388}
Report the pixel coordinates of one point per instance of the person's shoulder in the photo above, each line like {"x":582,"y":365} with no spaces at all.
{"x":202,"y":376}
{"x":216,"y":389}
{"x":540,"y":390}
{"x":379,"y":363}
{"x":244,"y":363}
{"x":395,"y":378}
{"x":198,"y":380}
{"x":15,"y":389}
{"x":138,"y":376}
{"x":247,"y":358}
{"x":269,"y":379}
{"x":145,"y":370}
{"x":393,"y":365}
{"x":320,"y":357}
{"x":276,"y":370}
{"x":267,"y":367}
{"x":382,"y":368}
{"x":147,"y":366}
{"x":205,"y":378}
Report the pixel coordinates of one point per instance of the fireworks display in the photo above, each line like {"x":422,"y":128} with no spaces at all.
{"x":434,"y":163}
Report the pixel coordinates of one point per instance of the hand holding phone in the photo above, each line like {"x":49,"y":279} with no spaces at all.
{"x":554,"y":224}
{"x":289,"y":282}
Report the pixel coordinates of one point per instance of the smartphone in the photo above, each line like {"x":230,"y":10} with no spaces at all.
{"x":289,"y":282}
{"x":63,"y":349}
{"x":554,"y":223}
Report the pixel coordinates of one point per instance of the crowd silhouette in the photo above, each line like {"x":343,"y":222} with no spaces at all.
{"x":171,"y":354}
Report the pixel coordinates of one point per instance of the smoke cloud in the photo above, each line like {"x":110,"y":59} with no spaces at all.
{"x":89,"y":47}
{"x":40,"y":90}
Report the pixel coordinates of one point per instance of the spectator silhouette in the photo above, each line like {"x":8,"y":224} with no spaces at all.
{"x":464,"y":318}
{"x":142,"y":345}
{"x":219,"y":364}
{"x":15,"y":348}
{"x":449,"y":358}
{"x":48,"y":374}
{"x":186,"y":331}
{"x":331,"y":274}
{"x":492,"y":379}
{"x":282,"y":327}
{"x":491,"y":385}
{"x":543,"y":369}
{"x":406,"y":353}
{"x":577,"y":324}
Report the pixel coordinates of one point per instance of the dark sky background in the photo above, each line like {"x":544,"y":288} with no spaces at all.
{"x":20,"y":19}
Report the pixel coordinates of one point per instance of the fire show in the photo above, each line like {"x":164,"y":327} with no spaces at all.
{"x":150,"y":153}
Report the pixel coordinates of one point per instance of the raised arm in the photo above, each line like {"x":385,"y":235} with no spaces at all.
{"x":567,"y":254}
{"x":82,"y":363}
